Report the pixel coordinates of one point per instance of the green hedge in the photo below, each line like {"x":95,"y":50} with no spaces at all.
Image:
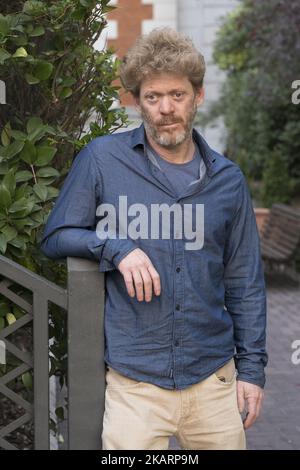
{"x":56,"y":83}
{"x":257,"y":46}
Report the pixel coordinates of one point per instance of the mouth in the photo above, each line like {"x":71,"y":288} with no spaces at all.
{"x":170,"y":125}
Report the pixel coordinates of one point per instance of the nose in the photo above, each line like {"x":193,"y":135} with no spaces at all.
{"x":166,"y":105}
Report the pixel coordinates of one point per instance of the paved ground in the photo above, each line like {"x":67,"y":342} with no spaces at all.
{"x":278,"y":428}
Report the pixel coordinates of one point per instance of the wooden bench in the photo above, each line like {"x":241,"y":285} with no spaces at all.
{"x":280,"y":237}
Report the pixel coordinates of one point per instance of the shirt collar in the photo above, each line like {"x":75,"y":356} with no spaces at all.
{"x":138,"y":137}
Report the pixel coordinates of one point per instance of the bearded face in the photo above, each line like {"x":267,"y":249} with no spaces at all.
{"x":168,"y":106}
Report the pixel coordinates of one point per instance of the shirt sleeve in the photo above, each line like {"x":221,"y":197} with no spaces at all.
{"x":71,"y":226}
{"x":245,"y":293}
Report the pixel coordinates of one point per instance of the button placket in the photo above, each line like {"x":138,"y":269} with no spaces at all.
{"x":178,"y":302}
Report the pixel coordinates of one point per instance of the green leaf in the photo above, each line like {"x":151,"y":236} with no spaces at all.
{"x":20,"y":52}
{"x":18,"y":312}
{"x":52,"y":131}
{"x":10,"y":318}
{"x":5,"y":135}
{"x":47,"y":181}
{"x":18,"y":135}
{"x":35,"y":208}
{"x":27,"y":380}
{"x":43,"y":70}
{"x":60,"y":413}
{"x":79,"y":14}
{"x":29,"y":28}
{"x":30,"y":79}
{"x":5,"y":197}
{"x":38,"y":217}
{"x":9,"y":232}
{"x":33,"y":7}
{"x":29,"y":154}
{"x":4,"y":308}
{"x":68,"y":81}
{"x":23,"y":176}
{"x":52,"y":192}
{"x":41,"y":191}
{"x":9,"y":181}
{"x":47,"y":172}
{"x":19,"y":28}
{"x":4,"y":55}
{"x":21,"y":40}
{"x":3,"y":244}
{"x":37,"y":135}
{"x":4,"y":26}
{"x":22,"y":191}
{"x":18,"y":242}
{"x":3,"y":168}
{"x":45,"y":155}
{"x":33,"y":124}
{"x":36,"y":129}
{"x":21,"y":223}
{"x":20,"y":205}
{"x":16,"y":252}
{"x":2,"y":323}
{"x":11,"y":150}
{"x":37,"y":31}
{"x":65,"y":93}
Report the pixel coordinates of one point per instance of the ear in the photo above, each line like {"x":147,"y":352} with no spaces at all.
{"x":200,"y":96}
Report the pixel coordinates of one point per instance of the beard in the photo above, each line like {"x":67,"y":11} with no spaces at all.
{"x":173,"y":138}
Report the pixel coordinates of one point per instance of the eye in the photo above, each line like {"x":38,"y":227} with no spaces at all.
{"x":151,"y":98}
{"x":178,"y":94}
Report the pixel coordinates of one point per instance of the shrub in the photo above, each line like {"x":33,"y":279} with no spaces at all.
{"x":256,"y":46}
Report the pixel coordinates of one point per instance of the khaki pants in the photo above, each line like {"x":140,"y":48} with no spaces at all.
{"x":142,"y":416}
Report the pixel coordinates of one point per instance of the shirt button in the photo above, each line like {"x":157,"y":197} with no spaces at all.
{"x":177,"y":307}
{"x":178,"y":270}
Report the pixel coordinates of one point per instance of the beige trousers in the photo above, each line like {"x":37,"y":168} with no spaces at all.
{"x":142,"y":416}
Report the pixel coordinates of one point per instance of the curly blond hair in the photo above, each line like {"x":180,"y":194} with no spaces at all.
{"x":163,"y":50}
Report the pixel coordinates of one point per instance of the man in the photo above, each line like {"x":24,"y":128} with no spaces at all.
{"x":171,"y":223}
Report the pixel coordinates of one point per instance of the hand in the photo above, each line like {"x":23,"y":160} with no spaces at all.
{"x":252,"y":396}
{"x":139,"y":272}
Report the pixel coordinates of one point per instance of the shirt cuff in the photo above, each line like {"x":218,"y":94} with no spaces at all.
{"x":113,"y":252}
{"x":255,"y":376}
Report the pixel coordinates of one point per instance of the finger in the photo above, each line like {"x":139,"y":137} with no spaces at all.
{"x":129,"y":283}
{"x":138,"y":283}
{"x":147,"y":284}
{"x":252,"y":406}
{"x":259,"y":405}
{"x":155,"y":279}
{"x":240,"y":397}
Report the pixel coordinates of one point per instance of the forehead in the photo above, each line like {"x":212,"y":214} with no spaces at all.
{"x":165,"y":82}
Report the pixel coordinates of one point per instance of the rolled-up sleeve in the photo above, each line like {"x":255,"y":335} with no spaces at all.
{"x":245,"y":293}
{"x":71,"y":226}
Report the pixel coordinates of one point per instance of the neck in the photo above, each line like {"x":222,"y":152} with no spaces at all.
{"x":181,"y":153}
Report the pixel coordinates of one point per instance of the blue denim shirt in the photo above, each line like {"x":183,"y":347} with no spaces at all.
{"x":212,"y":305}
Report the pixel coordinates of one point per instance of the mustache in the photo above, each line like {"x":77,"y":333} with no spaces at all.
{"x":167,"y":122}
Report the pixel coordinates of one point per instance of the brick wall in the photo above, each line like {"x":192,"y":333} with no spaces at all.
{"x":133,"y":18}
{"x":129,"y":16}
